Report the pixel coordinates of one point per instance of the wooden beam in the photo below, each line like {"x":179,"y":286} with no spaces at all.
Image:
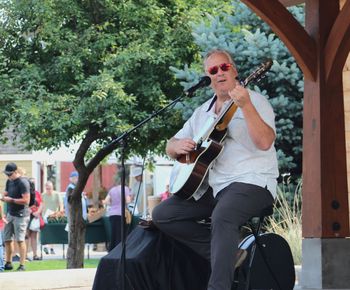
{"x":290,"y":31}
{"x":291,"y":2}
{"x":338,"y":43}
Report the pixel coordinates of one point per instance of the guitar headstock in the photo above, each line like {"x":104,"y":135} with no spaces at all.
{"x":259,"y":73}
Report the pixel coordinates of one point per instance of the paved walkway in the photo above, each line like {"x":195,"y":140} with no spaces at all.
{"x":72,"y":279}
{"x":75,"y":279}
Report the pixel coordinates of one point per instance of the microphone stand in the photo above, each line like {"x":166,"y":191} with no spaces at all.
{"x":122,"y":139}
{"x":123,"y":204}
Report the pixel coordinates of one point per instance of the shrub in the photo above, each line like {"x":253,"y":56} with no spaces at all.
{"x":286,"y":220}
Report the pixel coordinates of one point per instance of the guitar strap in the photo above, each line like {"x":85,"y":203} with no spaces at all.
{"x":227,"y":118}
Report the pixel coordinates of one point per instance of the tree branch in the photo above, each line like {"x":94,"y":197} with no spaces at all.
{"x":91,"y":136}
{"x":100,"y":155}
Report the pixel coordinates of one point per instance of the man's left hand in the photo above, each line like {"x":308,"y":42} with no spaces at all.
{"x":240,"y":96}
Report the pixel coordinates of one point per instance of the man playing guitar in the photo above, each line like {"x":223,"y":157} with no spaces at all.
{"x":240,"y":182}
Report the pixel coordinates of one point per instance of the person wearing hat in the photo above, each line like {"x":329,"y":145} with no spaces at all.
{"x":73,"y":180}
{"x":17,"y":197}
{"x":137,"y":190}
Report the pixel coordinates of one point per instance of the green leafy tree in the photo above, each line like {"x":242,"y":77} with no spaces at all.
{"x":251,"y":42}
{"x":85,"y":71}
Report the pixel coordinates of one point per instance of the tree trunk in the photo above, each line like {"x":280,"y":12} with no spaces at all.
{"x":96,"y":186}
{"x":77,"y":226}
{"x":76,"y":235}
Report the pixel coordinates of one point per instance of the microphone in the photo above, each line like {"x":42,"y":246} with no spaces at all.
{"x":204,"y":82}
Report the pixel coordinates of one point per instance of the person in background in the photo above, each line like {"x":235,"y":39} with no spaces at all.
{"x":52,"y":202}
{"x":73,"y":180}
{"x":166,"y":194}
{"x":137,"y":192}
{"x":113,"y":200}
{"x":17,"y":197}
{"x":35,"y":213}
{"x":15,"y":253}
{"x":1,"y":242}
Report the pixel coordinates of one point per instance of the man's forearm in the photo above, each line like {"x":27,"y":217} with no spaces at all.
{"x":20,"y":201}
{"x":170,"y":149}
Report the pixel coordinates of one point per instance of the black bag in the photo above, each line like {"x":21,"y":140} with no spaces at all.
{"x":278,"y":256}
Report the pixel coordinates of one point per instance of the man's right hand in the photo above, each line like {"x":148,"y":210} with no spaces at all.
{"x":7,"y":199}
{"x":177,"y":147}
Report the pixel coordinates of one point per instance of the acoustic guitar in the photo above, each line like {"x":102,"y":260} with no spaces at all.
{"x":189,"y":170}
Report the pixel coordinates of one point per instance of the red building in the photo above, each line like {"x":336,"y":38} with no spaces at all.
{"x":102,"y":177}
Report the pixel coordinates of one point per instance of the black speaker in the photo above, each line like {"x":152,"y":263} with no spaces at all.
{"x":272,"y":265}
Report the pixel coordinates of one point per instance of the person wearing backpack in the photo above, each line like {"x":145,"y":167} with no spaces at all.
{"x":17,"y":197}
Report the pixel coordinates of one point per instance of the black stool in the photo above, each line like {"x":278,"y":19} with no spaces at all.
{"x":255,"y":226}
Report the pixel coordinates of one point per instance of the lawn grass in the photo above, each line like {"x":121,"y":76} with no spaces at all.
{"x":53,"y":265}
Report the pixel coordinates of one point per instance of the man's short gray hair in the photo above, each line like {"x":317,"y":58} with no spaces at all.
{"x":219,"y":51}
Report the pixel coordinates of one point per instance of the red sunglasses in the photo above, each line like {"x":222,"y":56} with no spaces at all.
{"x":224,"y":67}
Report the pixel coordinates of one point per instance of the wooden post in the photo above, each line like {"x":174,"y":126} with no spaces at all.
{"x":325,"y":198}
{"x":346,"y":90}
{"x":321,"y":50}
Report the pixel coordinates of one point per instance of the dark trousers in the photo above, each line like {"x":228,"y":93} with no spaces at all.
{"x":115,"y":222}
{"x":232,"y":207}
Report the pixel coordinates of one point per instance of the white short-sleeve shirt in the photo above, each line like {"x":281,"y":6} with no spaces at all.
{"x":240,"y":160}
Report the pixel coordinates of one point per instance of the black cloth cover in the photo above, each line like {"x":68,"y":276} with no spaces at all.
{"x":153,"y":262}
